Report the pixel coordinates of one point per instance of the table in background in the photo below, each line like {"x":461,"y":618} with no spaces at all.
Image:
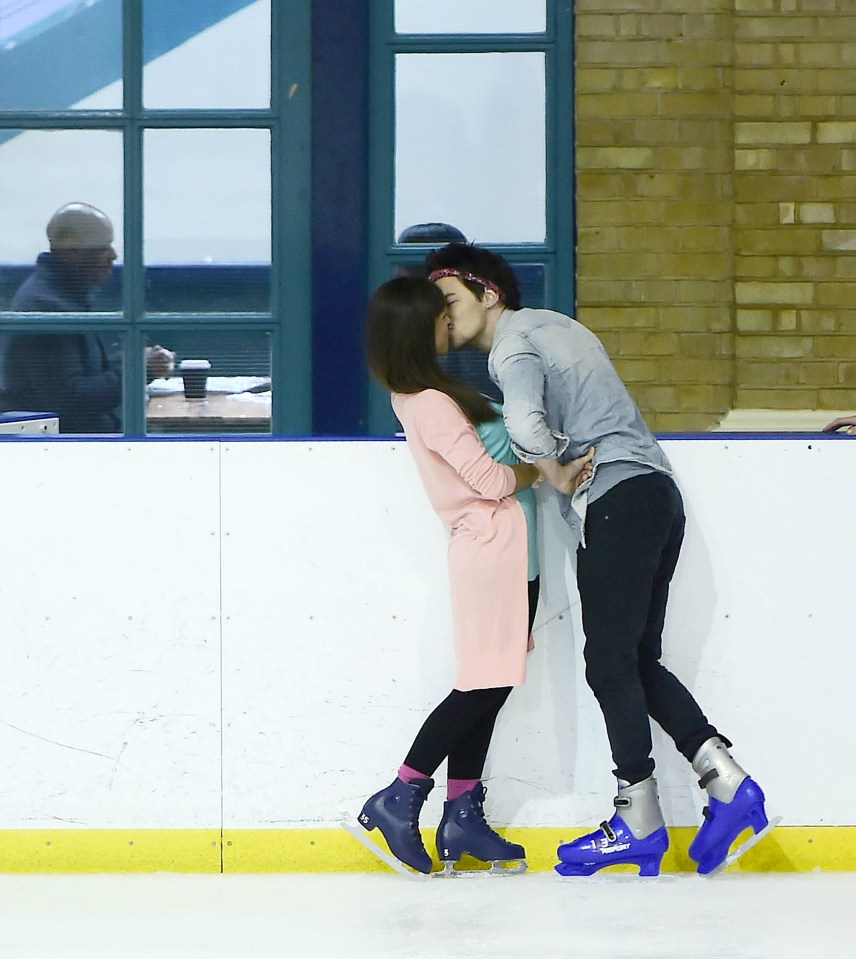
{"x":228,"y":407}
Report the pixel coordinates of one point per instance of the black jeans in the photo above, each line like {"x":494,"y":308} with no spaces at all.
{"x":633,"y":540}
{"x":461,"y":727}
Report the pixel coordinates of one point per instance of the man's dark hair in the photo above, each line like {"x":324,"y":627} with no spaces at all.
{"x":479,"y":262}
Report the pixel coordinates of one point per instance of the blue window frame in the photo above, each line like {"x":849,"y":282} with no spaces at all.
{"x":118,"y":39}
{"x":544,"y":266}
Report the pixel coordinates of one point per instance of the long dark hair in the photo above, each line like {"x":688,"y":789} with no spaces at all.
{"x":400,"y":344}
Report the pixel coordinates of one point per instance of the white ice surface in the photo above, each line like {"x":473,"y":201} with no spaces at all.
{"x":738,"y":916}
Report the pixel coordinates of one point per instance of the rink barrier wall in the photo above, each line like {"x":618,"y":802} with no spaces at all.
{"x":786,"y":849}
{"x":213,"y":652}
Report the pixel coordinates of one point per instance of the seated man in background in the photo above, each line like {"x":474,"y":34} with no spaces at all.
{"x":76,"y":375}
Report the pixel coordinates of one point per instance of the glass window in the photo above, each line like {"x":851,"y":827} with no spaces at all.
{"x":471,"y":16}
{"x":197,"y":59}
{"x":206,"y":219}
{"x":220,"y":381}
{"x":54,"y":53}
{"x":75,"y":375}
{"x":456,"y":160}
{"x":41,"y":171}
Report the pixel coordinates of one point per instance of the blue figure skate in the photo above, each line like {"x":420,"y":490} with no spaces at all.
{"x":736,"y":804}
{"x":395,"y":812}
{"x":463,"y":829}
{"x":635,"y":835}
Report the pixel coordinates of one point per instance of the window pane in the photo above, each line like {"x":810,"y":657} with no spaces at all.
{"x":42,"y":172}
{"x":470,"y":16}
{"x":200,"y":54}
{"x":55,"y":53}
{"x":456,"y":160}
{"x":207,"y":218}
{"x":221,"y":382}
{"x":77,"y":376}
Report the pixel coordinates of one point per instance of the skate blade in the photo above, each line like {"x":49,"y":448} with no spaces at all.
{"x":744,"y":846}
{"x":362,"y":836}
{"x":449,"y":871}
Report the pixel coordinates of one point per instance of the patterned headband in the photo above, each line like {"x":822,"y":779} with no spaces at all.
{"x":461,"y":274}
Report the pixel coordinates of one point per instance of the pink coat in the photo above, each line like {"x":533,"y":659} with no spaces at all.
{"x":487,"y":544}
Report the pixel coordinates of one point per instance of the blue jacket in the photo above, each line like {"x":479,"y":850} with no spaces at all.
{"x":76,"y":375}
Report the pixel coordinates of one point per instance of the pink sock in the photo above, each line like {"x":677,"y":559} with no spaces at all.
{"x":407,"y":774}
{"x":456,"y":787}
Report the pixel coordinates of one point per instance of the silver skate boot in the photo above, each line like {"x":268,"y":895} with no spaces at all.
{"x":736,"y":803}
{"x":636,"y":834}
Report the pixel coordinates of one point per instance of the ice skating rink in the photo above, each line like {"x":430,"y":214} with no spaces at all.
{"x":738,"y":916}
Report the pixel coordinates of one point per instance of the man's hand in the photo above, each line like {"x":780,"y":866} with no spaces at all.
{"x":848,"y":421}
{"x":566,"y":477}
{"x":159,"y":362}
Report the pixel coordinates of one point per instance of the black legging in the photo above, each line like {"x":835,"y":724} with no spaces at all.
{"x":633,"y":539}
{"x":461,"y":727}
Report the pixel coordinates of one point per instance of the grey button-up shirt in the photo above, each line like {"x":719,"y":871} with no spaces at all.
{"x":563,"y":395}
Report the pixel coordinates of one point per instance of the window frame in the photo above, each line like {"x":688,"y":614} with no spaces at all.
{"x":288,"y":121}
{"x":556,"y":253}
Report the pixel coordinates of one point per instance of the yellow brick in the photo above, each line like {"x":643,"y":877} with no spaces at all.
{"x":703,"y":291}
{"x":595,"y":80}
{"x":659,"y":397}
{"x":819,"y":373}
{"x":756,"y":267}
{"x":629,"y":158}
{"x":817,"y":54}
{"x":844,"y":267}
{"x":773,"y":28}
{"x":713,"y":317}
{"x":818,"y":321}
{"x":646,"y":343}
{"x":787,"y":320}
{"x":617,"y":104}
{"x":776,"y":346}
{"x":781,"y":399}
{"x":816,"y":213}
{"x":617,"y":212}
{"x":846,"y":374}
{"x":796,"y":294}
{"x":836,"y":399}
{"x":818,"y":267}
{"x":754,"y":105}
{"x":835,"y":347}
{"x":636,"y":370}
{"x":754,"y":54}
{"x":838,"y":131}
{"x":762,"y":133}
{"x":838,"y":240}
{"x":622,"y":317}
{"x":751,"y":373}
{"x":756,"y":187}
{"x":776,"y":81}
{"x":786,"y":240}
{"x":836,"y":294}
{"x":754,"y":159}
{"x":682,"y":369}
{"x":595,"y":25}
{"x":754,"y":321}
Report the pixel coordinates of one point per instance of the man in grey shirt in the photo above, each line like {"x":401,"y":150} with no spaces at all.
{"x":563,"y":403}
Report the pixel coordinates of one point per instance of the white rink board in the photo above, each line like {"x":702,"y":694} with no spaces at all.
{"x":109,"y":620}
{"x":330,"y":567}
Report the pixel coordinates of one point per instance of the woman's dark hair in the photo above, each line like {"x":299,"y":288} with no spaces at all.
{"x":400,"y":344}
{"x":480,"y":262}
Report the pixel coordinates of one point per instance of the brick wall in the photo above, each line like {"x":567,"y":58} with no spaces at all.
{"x":716,"y":205}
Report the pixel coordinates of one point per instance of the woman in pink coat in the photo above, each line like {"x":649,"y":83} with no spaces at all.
{"x":491,"y":609}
